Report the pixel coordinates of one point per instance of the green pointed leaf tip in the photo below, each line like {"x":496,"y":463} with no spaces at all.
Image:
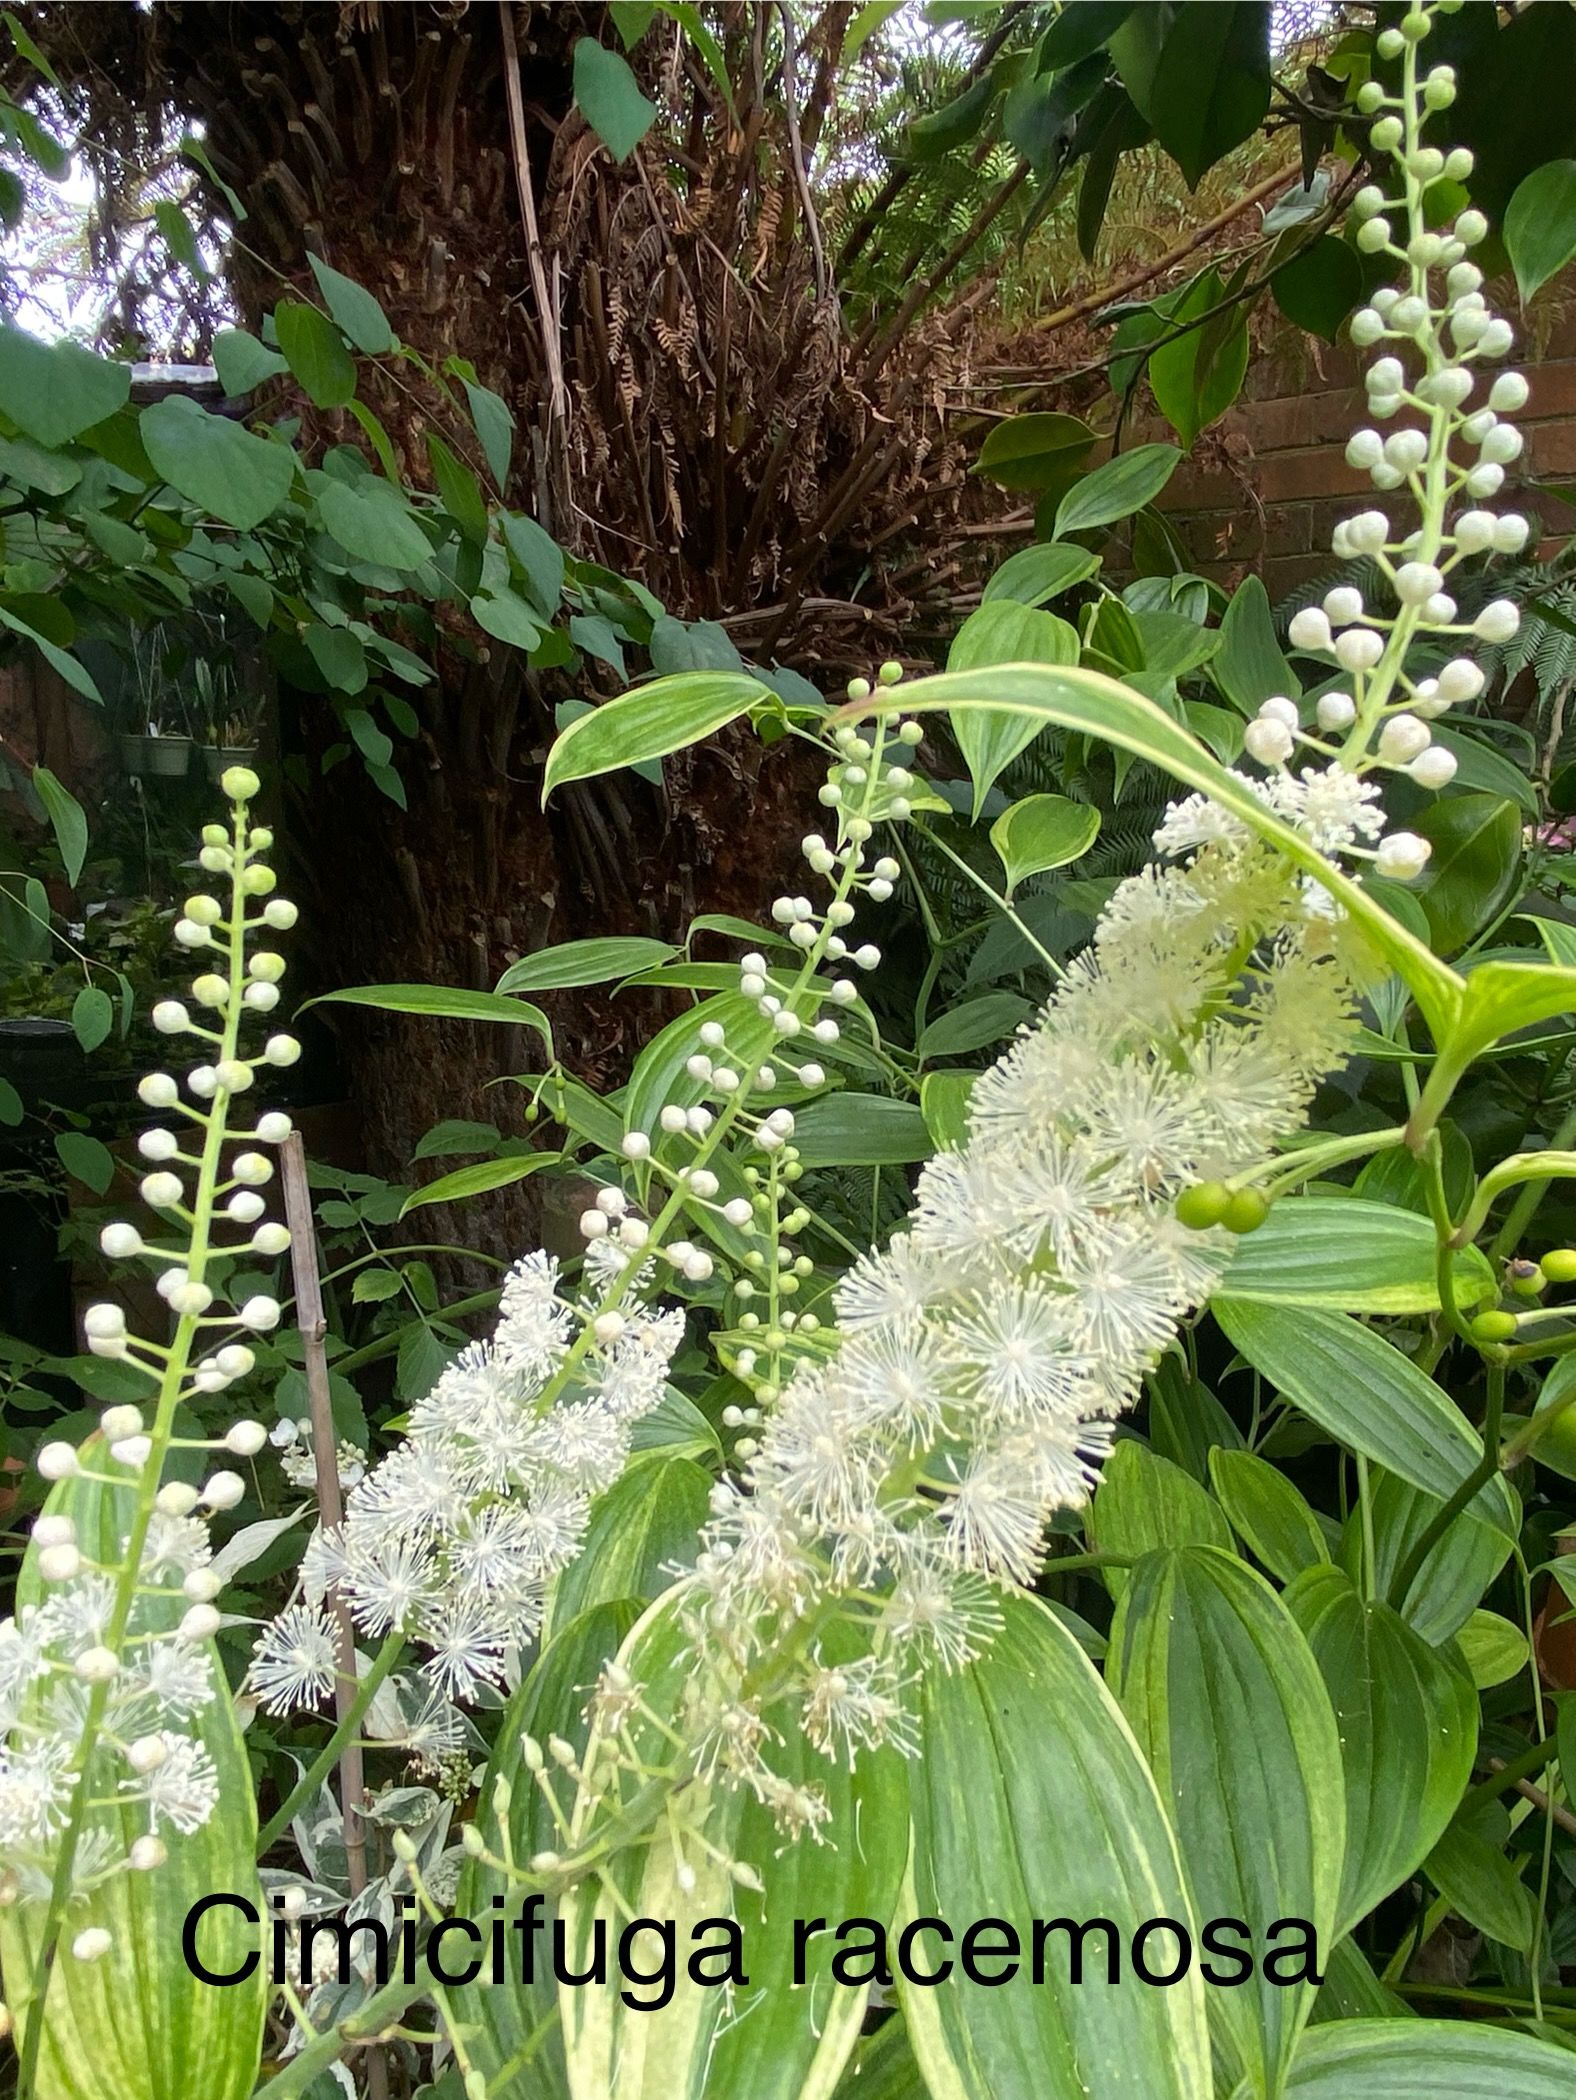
{"x":649,"y":721}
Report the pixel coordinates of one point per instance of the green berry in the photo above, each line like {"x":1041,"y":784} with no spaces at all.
{"x":1525,"y":1278}
{"x":1493,"y":1327}
{"x":1246,"y":1211}
{"x":1559,"y":1265}
{"x":1203,"y":1205}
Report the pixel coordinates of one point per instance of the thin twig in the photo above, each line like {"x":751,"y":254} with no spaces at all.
{"x":546,"y":312}
{"x":796,"y":145}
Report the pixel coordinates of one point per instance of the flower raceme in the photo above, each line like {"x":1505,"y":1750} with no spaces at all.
{"x":104,"y":1675}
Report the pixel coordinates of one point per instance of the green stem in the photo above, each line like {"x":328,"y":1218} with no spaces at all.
{"x":367,"y":1689}
{"x":1524,"y":1209}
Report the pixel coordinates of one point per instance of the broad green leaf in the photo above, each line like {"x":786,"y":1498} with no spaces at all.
{"x":1498,"y":998}
{"x":455,"y":1135}
{"x":494,"y":428}
{"x":659,"y":1076}
{"x":1198,"y":375}
{"x":215,"y":463}
{"x":1366,"y":1394}
{"x":1043,"y":832}
{"x":501,"y":2020}
{"x":1225,"y":1697}
{"x":1426,"y":2060}
{"x":374,"y":1287}
{"x":1024,"y":452}
{"x":1103,"y":708}
{"x":1408,"y":1724}
{"x":243,"y":363}
{"x":1540,"y":225}
{"x":449,"y":1002}
{"x":315,"y":351}
{"x":1494,"y":1649}
{"x":55,"y":391}
{"x":643,"y":1527}
{"x":458,"y":491}
{"x":1483,"y":1886}
{"x":1349,"y":1255}
{"x":1211,"y":86}
{"x":138,"y":2023}
{"x":372,"y":521}
{"x":92,"y":1016}
{"x":1031,"y":1800}
{"x":649,"y":721}
{"x":1459,"y":1567}
{"x":861,"y":1130}
{"x":584,"y":962}
{"x":1474,"y":865}
{"x":1267,"y":1513}
{"x":973,"y":1024}
{"x":504,"y":615}
{"x":76,"y":674}
{"x":354,"y":309}
{"x":67,"y":820}
{"x":1249,"y":666}
{"x":1145,"y":1504}
{"x":342,"y":659}
{"x":11,"y":1105}
{"x":944,"y":1103}
{"x":676,"y":1428}
{"x":478,"y":1180}
{"x":1003,"y":632}
{"x":765,"y":2046}
{"x":540,"y":556}
{"x":85,"y":1159}
{"x":1319,"y":286}
{"x":1116,"y":489}
{"x":1035,"y":574}
{"x":609,"y":98}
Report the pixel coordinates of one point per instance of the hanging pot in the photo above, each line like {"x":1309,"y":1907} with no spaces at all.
{"x":169,"y":756}
{"x":217,"y":757}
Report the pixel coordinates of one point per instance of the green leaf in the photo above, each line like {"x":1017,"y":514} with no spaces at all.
{"x":505,"y":617}
{"x":1000,"y":633}
{"x":179,"y":235}
{"x":455,"y":1135}
{"x":85,"y":1159}
{"x":944,"y":1103}
{"x":1043,"y":832}
{"x":1481,"y":1884}
{"x":67,"y":820}
{"x":494,"y":428}
{"x":477,"y":1180}
{"x":1196,"y":377}
{"x":648,"y":721}
{"x":1101,"y":707}
{"x":458,"y":490}
{"x":1025,"y":452}
{"x":846,"y":1129}
{"x":677,"y":1428}
{"x":1408,"y":1724}
{"x":1211,"y":85}
{"x":1426,"y":2060}
{"x":1349,"y":1255}
{"x":450,"y":1002}
{"x":1474,"y":865}
{"x":342,"y":659}
{"x":139,"y":2023}
{"x":92,"y":1016}
{"x":1267,"y":1513}
{"x":55,"y":391}
{"x":215,"y":463}
{"x":585,"y":962}
{"x":639,"y":1531}
{"x":1035,"y":574}
{"x":1458,"y":1568}
{"x":540,"y":556}
{"x":11,"y":1106}
{"x":1031,"y":1801}
{"x":1364,"y":1393}
{"x":1198,"y":1643}
{"x":1114,"y":491}
{"x":243,"y":363}
{"x":372,"y":521}
{"x":373,"y":1286}
{"x":1318,"y":288}
{"x":609,"y":98}
{"x":1540,"y":225}
{"x":354,"y":309}
{"x":316,"y":353}
{"x":1248,"y":666}
{"x":973,"y":1024}
{"x":1494,"y":1649}
{"x":1144,"y":1504}
{"x":75,"y":674}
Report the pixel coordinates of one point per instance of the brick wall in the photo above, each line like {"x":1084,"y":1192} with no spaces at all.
{"x":1265,"y":487}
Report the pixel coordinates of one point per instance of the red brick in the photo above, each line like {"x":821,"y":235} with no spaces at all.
{"x":1553,"y":390}
{"x":1318,"y":471}
{"x":1553,"y":448}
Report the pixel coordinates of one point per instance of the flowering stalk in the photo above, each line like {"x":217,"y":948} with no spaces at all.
{"x":94,"y":1697}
